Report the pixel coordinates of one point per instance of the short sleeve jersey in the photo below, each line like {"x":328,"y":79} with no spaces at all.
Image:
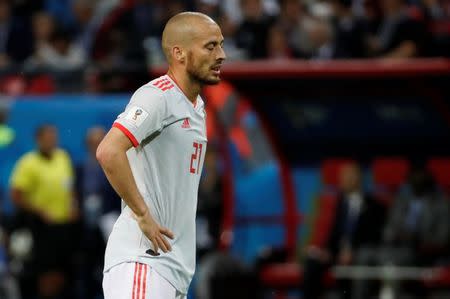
{"x":46,"y":183}
{"x":168,"y":133}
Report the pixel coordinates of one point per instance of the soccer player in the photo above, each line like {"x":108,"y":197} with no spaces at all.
{"x":153,"y":157}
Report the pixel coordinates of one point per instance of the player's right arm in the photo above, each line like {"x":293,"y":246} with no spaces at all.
{"x":111,"y":154}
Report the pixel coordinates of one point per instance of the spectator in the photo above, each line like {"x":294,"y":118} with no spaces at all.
{"x":208,"y":7}
{"x":418,"y":223}
{"x":101,"y":208}
{"x":432,"y":9}
{"x":42,"y":191}
{"x":99,"y":198}
{"x":15,"y":37}
{"x":229,"y":44}
{"x":293,"y":19}
{"x":147,"y":18}
{"x":88,"y":17}
{"x":320,"y":34}
{"x":371,"y":18}
{"x":399,"y":36}
{"x":83,"y":11}
{"x":60,"y":54}
{"x":43,"y":29}
{"x":253,"y":31}
{"x":358,"y":224}
{"x":417,"y":229}
{"x":61,"y":11}
{"x":132,"y":38}
{"x":232,"y":8}
{"x":26,"y":8}
{"x":277,"y":44}
{"x":348,"y":31}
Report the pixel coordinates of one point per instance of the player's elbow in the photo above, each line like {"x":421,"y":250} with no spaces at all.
{"x":104,"y":154}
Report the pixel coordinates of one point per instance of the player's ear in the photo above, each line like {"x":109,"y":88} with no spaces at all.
{"x":178,"y":54}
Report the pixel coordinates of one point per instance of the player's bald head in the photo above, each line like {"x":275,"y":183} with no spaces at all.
{"x":182,"y":29}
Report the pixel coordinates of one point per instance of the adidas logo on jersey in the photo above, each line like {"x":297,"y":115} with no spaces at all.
{"x":186,"y":124}
{"x":163,"y":84}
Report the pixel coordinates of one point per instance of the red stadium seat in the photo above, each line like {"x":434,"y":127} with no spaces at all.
{"x":440,"y":169}
{"x":13,"y":85}
{"x":41,"y":85}
{"x":389,"y":174}
{"x":281,"y":275}
{"x":330,"y":171}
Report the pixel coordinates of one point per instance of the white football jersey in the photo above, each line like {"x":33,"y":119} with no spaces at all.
{"x":168,"y":133}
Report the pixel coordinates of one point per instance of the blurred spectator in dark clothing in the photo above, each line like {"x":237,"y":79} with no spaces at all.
{"x":117,"y":54}
{"x":209,"y":209}
{"x":357,"y":224}
{"x":127,"y":37}
{"x":43,"y":30}
{"x":27,"y":8}
{"x":416,"y":232}
{"x":61,"y":10}
{"x":133,"y":39}
{"x":60,"y":54}
{"x":147,"y":18}
{"x":84,"y":27}
{"x":419,"y":221}
{"x":399,"y":36}
{"x":100,"y":209}
{"x":320,"y":33}
{"x":42,"y":191}
{"x":15,"y":37}
{"x":228,"y":31}
{"x":371,"y":17}
{"x":348,"y":37}
{"x":99,"y":198}
{"x":432,"y":9}
{"x":88,"y":17}
{"x":208,"y":7}
{"x":253,"y":31}
{"x":293,"y":19}
{"x":277,"y":44}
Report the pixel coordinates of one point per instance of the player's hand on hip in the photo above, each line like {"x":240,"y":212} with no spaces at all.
{"x":154,"y":232}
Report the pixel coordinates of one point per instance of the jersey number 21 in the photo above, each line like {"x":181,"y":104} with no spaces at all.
{"x":196,"y":157}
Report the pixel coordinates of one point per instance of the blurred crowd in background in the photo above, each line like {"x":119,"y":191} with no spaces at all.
{"x":85,"y":43}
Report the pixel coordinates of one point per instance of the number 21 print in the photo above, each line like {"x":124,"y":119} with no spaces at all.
{"x":196,"y":156}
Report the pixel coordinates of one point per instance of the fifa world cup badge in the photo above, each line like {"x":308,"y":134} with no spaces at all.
{"x":137,"y":113}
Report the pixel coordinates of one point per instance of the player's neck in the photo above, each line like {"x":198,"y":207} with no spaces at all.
{"x":190,"y":89}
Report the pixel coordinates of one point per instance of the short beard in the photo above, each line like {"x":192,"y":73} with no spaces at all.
{"x":195,"y":75}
